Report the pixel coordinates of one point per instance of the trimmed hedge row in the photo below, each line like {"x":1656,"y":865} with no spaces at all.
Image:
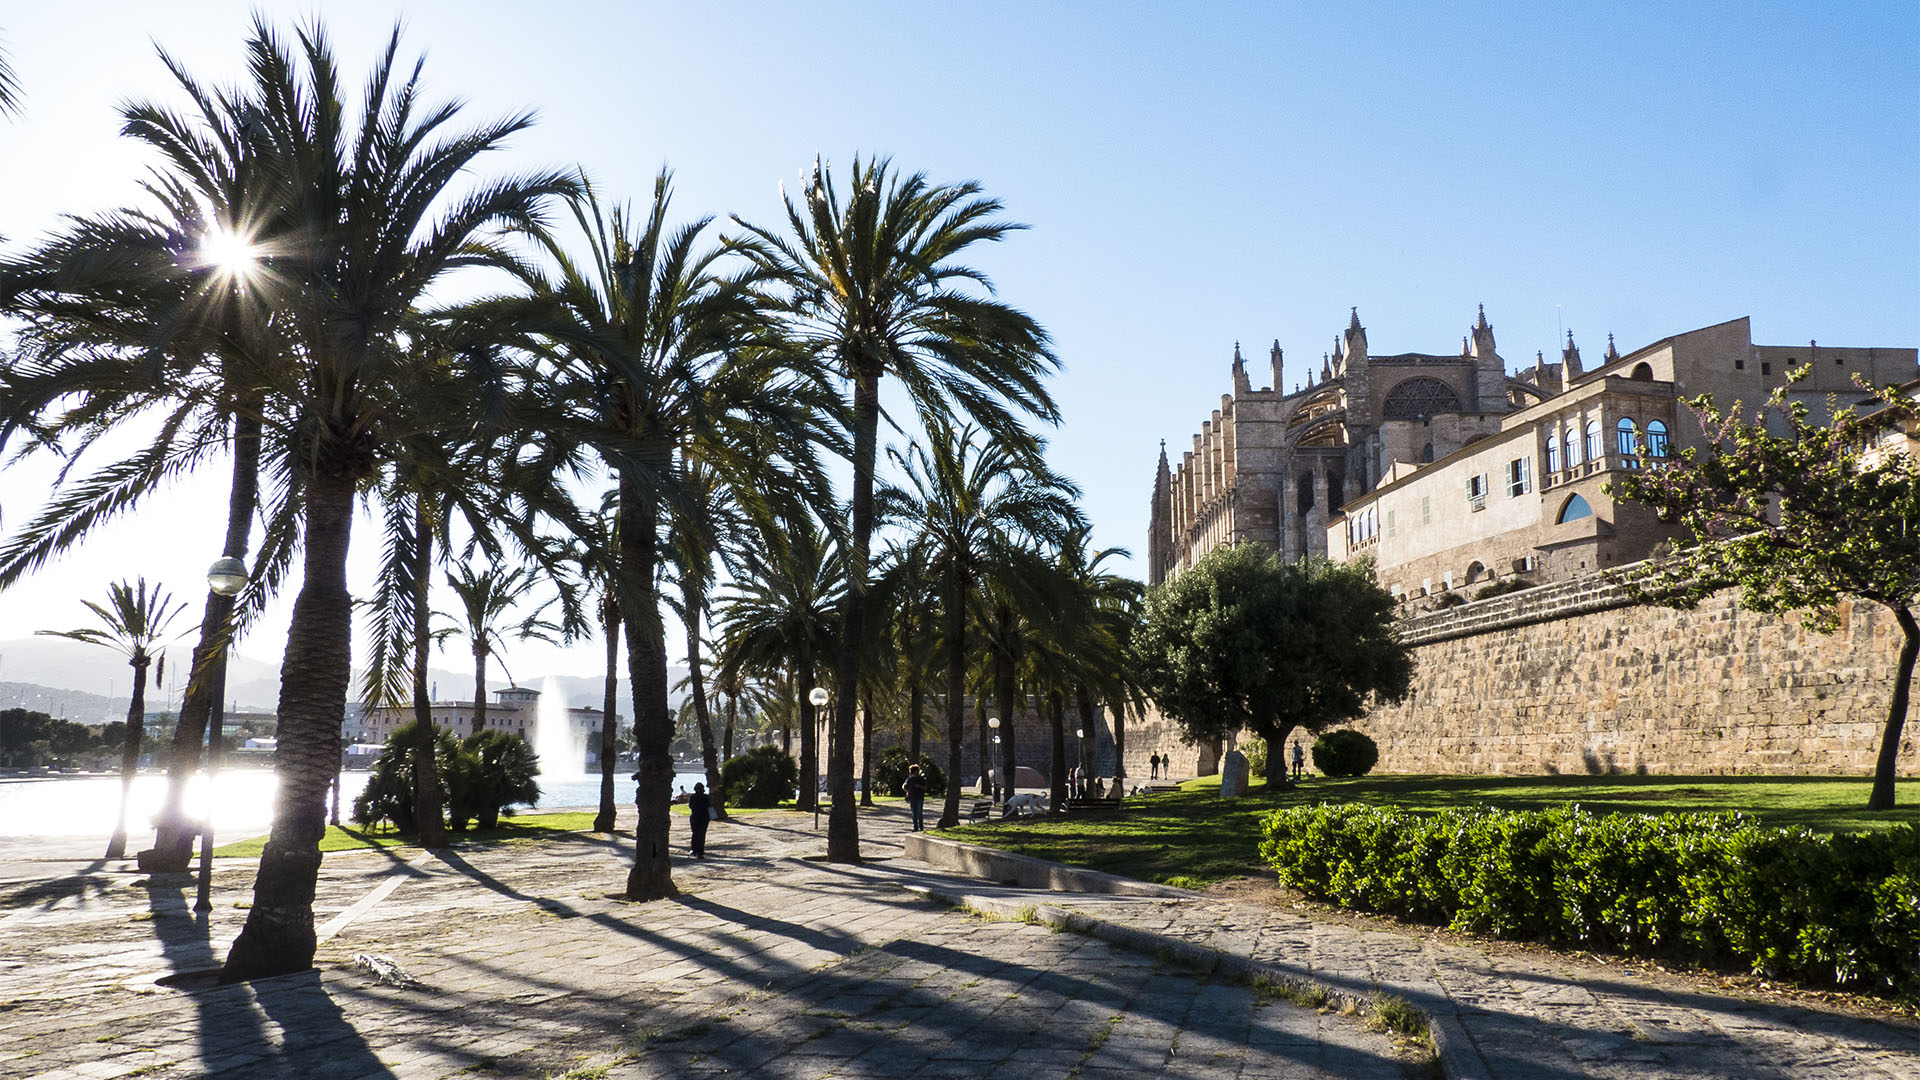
{"x":1714,"y":888}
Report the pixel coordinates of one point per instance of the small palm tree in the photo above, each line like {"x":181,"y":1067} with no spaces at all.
{"x":132,"y":622}
{"x":487,"y":596}
{"x":870,"y":289}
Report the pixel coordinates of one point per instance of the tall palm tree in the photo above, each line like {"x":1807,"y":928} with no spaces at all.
{"x":871,"y":288}
{"x":977,"y":512}
{"x":782,"y":612}
{"x":656,"y":351}
{"x":131,"y":622}
{"x":372,"y":221}
{"x":9,"y":87}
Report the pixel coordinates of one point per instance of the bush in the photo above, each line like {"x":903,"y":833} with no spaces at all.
{"x":890,"y":773}
{"x":1502,"y":588}
{"x":492,"y":771}
{"x":1704,"y":887}
{"x":1256,"y":750}
{"x":760,"y":778}
{"x":388,"y":795}
{"x":1344,"y":753}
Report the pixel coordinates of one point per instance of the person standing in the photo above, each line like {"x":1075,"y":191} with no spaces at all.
{"x":1299,"y":761}
{"x":1153,"y":764}
{"x":916,"y":792}
{"x":699,"y":815}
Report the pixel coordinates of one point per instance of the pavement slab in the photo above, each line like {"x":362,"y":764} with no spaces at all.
{"x":522,"y":960}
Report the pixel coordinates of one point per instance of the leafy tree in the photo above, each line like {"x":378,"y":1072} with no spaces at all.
{"x":1246,"y":642}
{"x":1797,"y":517}
{"x":870,"y":290}
{"x":134,"y":619}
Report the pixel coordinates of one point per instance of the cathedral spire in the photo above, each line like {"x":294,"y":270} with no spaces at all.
{"x":1570,"y":356}
{"x":1612,"y":353}
{"x":1353,"y":320}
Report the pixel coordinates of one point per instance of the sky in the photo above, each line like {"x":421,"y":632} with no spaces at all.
{"x":1194,"y":175}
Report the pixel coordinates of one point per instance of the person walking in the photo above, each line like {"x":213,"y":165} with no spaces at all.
{"x":1153,"y":764}
{"x":700,"y":815}
{"x":916,"y":792}
{"x":1299,"y":761}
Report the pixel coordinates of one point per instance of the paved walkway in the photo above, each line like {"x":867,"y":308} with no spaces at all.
{"x":520,"y":960}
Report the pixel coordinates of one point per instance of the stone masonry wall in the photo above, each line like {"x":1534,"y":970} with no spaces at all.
{"x":1581,"y":677}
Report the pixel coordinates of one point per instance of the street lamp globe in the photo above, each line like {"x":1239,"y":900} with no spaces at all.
{"x":1079,"y":733}
{"x":993,"y":722}
{"x":818,"y":697}
{"x":227,"y":576}
{"x":996,"y":740}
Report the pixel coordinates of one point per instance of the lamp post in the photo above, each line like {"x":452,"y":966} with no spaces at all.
{"x":993,"y":725}
{"x":818,"y":699}
{"x":1080,"y":734}
{"x":226,"y":577}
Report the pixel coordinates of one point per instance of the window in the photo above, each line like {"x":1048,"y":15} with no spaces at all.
{"x":1426,"y":509}
{"x":1519,"y":477}
{"x":1626,"y":441}
{"x":1656,"y":439}
{"x":1595,"y":450}
{"x":1477,"y":491}
{"x":1766,"y":368}
{"x":1739,"y":365}
{"x":1573,"y":449}
{"x":1642,"y":371}
{"x":1390,"y":529}
{"x":1573,"y":509}
{"x":1553,"y":452}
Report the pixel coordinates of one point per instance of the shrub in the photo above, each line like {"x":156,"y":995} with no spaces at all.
{"x":1707,"y":887}
{"x":388,"y":795}
{"x":762,"y":777}
{"x":1502,"y":588}
{"x":493,"y":771}
{"x":1344,"y":753}
{"x":890,"y":773}
{"x":1256,"y":750}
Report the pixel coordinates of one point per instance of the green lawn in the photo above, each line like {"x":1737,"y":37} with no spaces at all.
{"x":354,"y":838}
{"x":1191,"y":837}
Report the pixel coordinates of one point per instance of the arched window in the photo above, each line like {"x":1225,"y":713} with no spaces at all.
{"x":1553,"y":453}
{"x":1656,"y":439}
{"x":1475,"y":571}
{"x":1642,"y":371}
{"x":1573,"y":449}
{"x":1426,"y":453}
{"x":1595,"y":450}
{"x":1626,"y":438}
{"x":1573,"y":509}
{"x":1419,"y":397}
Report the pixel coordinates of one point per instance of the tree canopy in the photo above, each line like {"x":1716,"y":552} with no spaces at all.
{"x":1244,"y":641}
{"x":1799,"y":517}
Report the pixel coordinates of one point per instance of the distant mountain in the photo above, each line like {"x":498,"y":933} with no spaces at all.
{"x":91,"y":685}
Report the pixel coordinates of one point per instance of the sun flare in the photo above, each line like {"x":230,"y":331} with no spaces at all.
{"x":229,"y":252}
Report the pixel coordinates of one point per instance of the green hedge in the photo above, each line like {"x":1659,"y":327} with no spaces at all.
{"x":1713,"y":888}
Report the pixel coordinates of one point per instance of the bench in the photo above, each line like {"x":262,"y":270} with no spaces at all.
{"x":981,"y":810}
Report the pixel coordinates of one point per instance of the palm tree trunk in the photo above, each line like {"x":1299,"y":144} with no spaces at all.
{"x":1057,"y":774}
{"x":733,"y":710}
{"x":956,"y":696}
{"x":173,"y":842}
{"x":609,"y":703}
{"x":278,"y":937}
{"x":1089,"y":723}
{"x":130,"y":749}
{"x":866,"y":751}
{"x":809,"y":796}
{"x":427,"y":800}
{"x":1119,"y":748}
{"x":697,"y":683}
{"x":652,"y":875}
{"x":843,"y":827}
{"x":916,"y":704}
{"x":1004,"y":685}
{"x":986,"y":737}
{"x":1883,"y":770}
{"x":480,"y":686}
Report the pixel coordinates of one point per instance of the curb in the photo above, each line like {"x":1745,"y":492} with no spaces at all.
{"x":1453,"y":1048}
{"x":1025,"y":871}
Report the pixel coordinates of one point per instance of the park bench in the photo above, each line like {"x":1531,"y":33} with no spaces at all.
{"x":982,"y":810}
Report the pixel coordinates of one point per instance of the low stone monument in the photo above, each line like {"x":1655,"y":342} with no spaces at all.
{"x":1234,"y":775}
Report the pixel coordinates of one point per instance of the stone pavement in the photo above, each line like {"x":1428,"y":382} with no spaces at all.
{"x":521,"y":960}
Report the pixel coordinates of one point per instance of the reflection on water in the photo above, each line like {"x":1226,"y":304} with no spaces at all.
{"x":242,"y":801}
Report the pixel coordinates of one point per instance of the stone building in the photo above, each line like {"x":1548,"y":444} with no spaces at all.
{"x":1453,"y":474}
{"x":513,"y":710}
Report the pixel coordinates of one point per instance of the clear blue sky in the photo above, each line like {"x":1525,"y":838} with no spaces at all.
{"x":1193,"y":174}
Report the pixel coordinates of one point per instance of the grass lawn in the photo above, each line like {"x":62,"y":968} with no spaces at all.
{"x":1190,"y":837}
{"x":354,"y":838}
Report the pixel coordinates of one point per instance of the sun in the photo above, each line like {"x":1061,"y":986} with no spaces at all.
{"x":230,"y":253}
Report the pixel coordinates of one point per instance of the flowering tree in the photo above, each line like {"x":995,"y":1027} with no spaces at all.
{"x":1798,"y":516}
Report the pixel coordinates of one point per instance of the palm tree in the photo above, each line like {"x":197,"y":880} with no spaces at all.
{"x":977,"y":513}
{"x":9,"y":87}
{"x":372,"y":224}
{"x":656,"y":352}
{"x":782,"y":612}
{"x":486,"y":596}
{"x":870,"y":289}
{"x":135,"y":617}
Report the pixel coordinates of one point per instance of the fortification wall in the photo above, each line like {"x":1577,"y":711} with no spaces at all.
{"x":1582,"y":677}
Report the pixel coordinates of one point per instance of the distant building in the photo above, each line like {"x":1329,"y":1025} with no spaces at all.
{"x":513,"y":711}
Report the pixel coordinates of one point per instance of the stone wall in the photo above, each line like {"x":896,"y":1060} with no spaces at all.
{"x":1582,"y":677}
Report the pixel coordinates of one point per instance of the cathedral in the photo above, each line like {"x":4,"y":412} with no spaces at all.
{"x":1451,"y":472}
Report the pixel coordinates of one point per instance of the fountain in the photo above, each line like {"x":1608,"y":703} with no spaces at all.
{"x":562,"y":750}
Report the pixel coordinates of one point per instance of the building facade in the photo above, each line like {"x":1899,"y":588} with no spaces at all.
{"x":513,"y":710}
{"x":1454,"y":475}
